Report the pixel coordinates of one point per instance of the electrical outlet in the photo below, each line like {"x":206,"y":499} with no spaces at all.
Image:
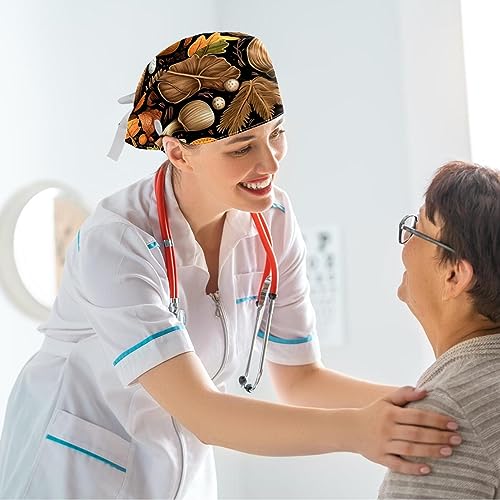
{"x":325,"y":276}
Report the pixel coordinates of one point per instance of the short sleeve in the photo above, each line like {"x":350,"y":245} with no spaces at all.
{"x":467,"y":473}
{"x":124,"y":290}
{"x":293,"y":339}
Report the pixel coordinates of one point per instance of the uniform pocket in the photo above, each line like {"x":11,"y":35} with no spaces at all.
{"x":78,"y":459}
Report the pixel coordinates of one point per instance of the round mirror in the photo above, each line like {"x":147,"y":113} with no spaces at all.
{"x":37,"y":224}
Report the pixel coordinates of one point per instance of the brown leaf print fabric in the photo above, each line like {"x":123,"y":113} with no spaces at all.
{"x":204,"y":88}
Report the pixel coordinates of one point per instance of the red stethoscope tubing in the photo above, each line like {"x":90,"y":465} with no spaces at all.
{"x":166,"y":234}
{"x":271,"y":267}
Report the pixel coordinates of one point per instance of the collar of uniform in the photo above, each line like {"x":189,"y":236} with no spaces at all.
{"x":188,"y":252}
{"x":237,"y":226}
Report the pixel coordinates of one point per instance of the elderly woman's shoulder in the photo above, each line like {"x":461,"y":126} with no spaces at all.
{"x":467,"y":387}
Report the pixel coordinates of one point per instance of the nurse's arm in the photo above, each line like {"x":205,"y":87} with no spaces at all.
{"x":316,"y":386}
{"x":184,"y":389}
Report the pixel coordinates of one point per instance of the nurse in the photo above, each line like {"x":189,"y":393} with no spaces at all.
{"x":127,"y":396}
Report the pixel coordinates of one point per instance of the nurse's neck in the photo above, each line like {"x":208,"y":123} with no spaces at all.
{"x":204,"y":215}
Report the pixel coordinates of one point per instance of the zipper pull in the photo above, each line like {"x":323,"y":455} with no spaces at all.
{"x":216,"y":298}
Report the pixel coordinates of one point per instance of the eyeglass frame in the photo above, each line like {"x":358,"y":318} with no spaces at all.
{"x":416,"y":232}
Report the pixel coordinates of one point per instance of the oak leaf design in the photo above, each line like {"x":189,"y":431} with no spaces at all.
{"x":184,"y":79}
{"x":214,"y":44}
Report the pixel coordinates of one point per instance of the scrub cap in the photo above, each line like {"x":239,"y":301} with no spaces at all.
{"x":201,"y":89}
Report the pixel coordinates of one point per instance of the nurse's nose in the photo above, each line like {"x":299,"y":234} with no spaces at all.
{"x":268,"y":161}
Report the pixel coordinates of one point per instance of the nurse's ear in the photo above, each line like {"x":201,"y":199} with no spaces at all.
{"x":177,"y":153}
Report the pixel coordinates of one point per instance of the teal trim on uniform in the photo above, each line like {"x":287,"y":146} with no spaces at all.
{"x":246,"y":299}
{"x":278,"y":340}
{"x":279,"y":206}
{"x":153,"y":244}
{"x":78,"y":240}
{"x":85,"y":452}
{"x":146,"y":341}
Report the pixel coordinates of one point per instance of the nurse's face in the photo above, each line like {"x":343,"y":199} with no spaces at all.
{"x":238,"y":172}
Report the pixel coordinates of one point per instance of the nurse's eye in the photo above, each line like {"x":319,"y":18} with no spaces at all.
{"x":277,"y":133}
{"x":241,"y":151}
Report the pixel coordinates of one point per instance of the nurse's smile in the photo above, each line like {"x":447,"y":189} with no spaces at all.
{"x":258,"y":187}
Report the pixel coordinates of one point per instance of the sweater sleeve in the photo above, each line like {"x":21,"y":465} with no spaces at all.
{"x":468,"y":473}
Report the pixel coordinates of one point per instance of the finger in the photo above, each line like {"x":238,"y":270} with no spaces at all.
{"x":397,"y":464}
{"x":425,"y":435}
{"x":404,"y":395}
{"x":411,"y":416}
{"x":418,"y":450}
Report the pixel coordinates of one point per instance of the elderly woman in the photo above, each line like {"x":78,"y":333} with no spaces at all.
{"x":452,"y":285}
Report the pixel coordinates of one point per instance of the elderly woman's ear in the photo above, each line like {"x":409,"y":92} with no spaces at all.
{"x":459,"y":278}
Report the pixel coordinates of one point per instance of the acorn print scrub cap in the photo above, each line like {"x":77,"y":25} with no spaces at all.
{"x":201,"y":89}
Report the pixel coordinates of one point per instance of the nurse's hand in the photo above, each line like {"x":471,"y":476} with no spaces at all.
{"x":388,"y":431}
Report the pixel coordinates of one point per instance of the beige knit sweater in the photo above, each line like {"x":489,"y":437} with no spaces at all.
{"x":463,"y":383}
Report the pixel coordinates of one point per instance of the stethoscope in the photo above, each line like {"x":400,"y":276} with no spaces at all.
{"x":268,"y":285}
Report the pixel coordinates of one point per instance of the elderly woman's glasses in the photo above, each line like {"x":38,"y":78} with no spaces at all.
{"x":407,"y":230}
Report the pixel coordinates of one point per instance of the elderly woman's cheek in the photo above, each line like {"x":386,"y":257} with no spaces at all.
{"x":402,"y":289}
{"x":405,"y":257}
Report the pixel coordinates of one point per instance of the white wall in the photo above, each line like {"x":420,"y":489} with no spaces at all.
{"x":374,"y":94}
{"x":481,"y":42}
{"x":432,"y":63}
